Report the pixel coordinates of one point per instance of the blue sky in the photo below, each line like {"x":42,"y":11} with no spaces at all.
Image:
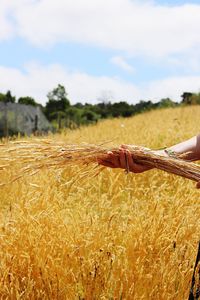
{"x":109,"y":50}
{"x":176,"y":2}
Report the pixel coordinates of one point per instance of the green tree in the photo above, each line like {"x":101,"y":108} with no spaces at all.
{"x":89,"y":116}
{"x":74,"y":117}
{"x":7,"y":97}
{"x":166,"y":102}
{"x":58,"y":116}
{"x":143,"y":106}
{"x":2,"y":97}
{"x":186,"y":98}
{"x":122,"y":109}
{"x":104,"y":109}
{"x":58,"y":101}
{"x":27,"y":101}
{"x":195,"y":99}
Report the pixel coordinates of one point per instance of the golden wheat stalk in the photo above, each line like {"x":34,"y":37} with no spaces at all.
{"x":33,"y":156}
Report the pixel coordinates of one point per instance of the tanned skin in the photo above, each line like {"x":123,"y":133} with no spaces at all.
{"x":189,"y":147}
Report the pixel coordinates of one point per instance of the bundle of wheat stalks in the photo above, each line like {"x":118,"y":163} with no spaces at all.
{"x":41,"y":153}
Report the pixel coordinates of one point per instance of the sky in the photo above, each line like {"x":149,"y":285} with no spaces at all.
{"x":100,"y":50}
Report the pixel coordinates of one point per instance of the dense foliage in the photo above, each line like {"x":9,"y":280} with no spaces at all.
{"x":62,"y":113}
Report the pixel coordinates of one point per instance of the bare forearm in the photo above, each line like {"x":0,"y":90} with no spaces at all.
{"x":190,"y":147}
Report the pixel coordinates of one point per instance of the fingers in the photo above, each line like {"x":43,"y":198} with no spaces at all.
{"x":133,"y":166}
{"x":111,"y":160}
{"x":114,"y":159}
{"x":106,"y":163}
{"x":122,"y":159}
{"x":123,"y":146}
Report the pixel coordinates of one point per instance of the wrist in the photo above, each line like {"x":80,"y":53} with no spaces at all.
{"x":167,"y":152}
{"x":161,"y":152}
{"x":171,"y":153}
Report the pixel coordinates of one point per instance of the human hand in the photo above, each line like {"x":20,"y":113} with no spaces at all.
{"x":125,"y":160}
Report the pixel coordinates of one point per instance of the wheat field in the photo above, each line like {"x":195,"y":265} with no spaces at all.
{"x":72,"y":234}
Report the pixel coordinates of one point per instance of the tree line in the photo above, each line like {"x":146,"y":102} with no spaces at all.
{"x":61,"y":113}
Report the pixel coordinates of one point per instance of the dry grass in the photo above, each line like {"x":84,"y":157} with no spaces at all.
{"x":39,"y":154}
{"x":67,"y":233}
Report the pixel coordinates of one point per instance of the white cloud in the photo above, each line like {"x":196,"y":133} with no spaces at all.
{"x":172,"y":87}
{"x":38,"y":80}
{"x":121,"y":63}
{"x":6,"y":28}
{"x":135,"y":27}
{"x":165,"y":34}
